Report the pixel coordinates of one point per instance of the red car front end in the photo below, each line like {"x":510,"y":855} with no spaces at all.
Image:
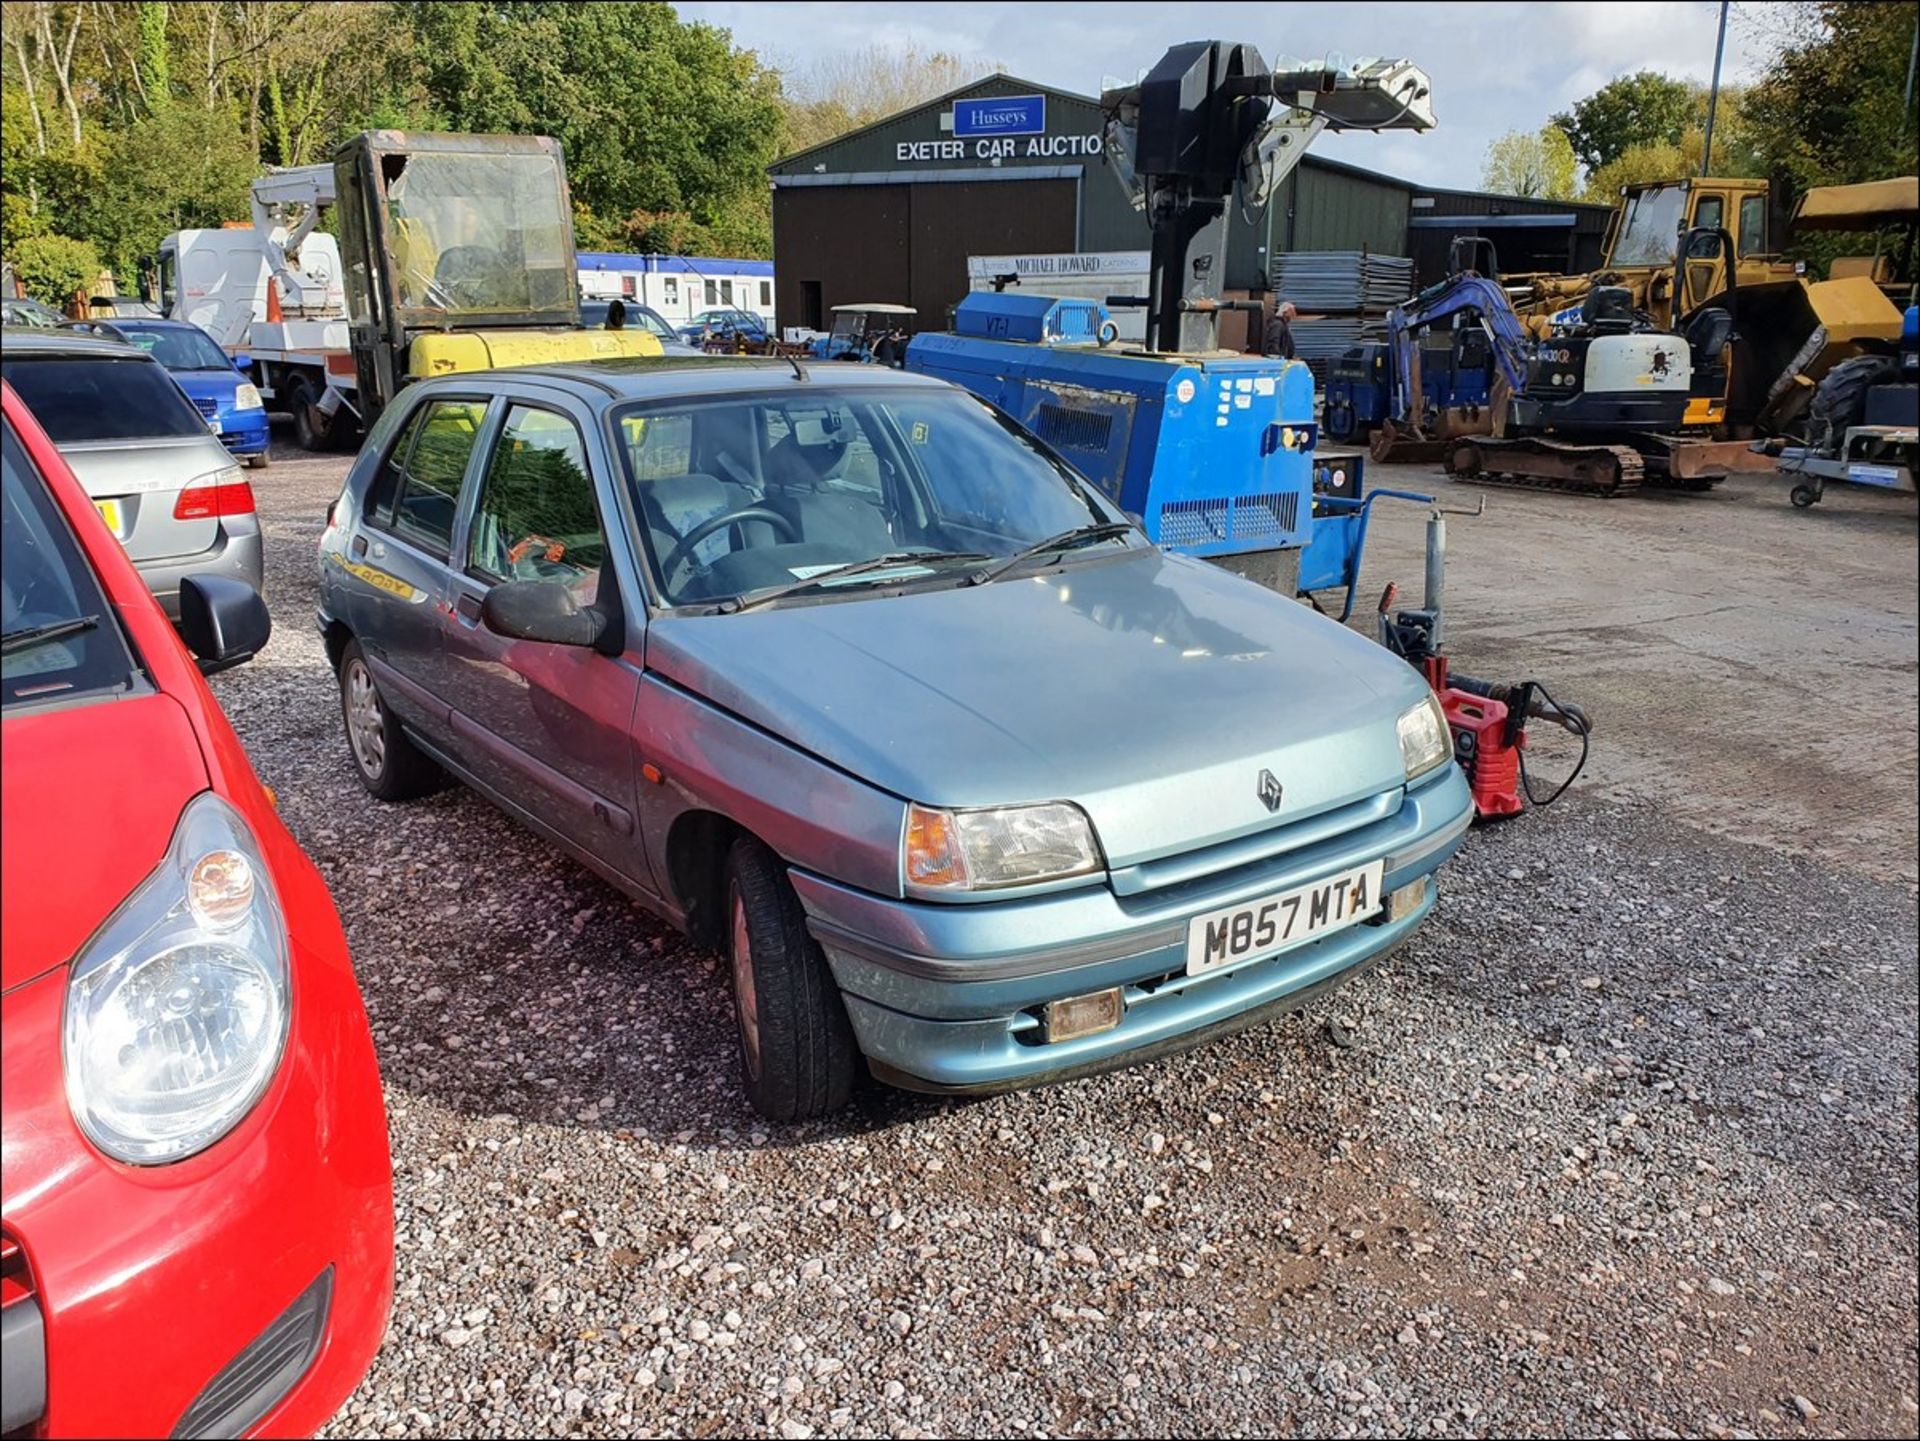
{"x":196,"y":1198}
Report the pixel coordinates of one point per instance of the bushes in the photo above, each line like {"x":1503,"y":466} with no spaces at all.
{"x":52,"y":267}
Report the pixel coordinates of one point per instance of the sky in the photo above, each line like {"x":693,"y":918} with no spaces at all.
{"x":1495,"y":67}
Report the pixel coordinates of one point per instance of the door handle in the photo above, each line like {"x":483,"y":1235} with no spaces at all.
{"x":468,"y":605}
{"x":358,"y":547}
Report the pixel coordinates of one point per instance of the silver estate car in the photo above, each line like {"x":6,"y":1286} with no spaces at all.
{"x":845,"y":673}
{"x":149,"y":460}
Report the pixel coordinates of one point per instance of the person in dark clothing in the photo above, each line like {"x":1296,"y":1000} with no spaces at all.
{"x":616,"y":314}
{"x":1279,"y":336}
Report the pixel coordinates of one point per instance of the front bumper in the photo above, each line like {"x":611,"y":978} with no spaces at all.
{"x":245,"y":432}
{"x":948,"y":997}
{"x":237,"y":553}
{"x":243,"y":1290}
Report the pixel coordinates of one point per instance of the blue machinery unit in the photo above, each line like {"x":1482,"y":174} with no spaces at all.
{"x":1213,"y":450}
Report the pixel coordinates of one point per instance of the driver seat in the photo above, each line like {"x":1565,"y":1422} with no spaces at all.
{"x":674,"y":505}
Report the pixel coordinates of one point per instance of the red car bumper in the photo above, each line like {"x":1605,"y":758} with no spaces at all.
{"x":244,"y":1288}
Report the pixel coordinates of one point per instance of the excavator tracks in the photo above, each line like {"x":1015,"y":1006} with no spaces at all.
{"x":1602,"y":470}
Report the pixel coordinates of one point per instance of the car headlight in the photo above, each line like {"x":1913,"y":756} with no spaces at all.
{"x":177,"y":1010}
{"x":1426,"y":740}
{"x":246,"y":397}
{"x":1010,"y":846}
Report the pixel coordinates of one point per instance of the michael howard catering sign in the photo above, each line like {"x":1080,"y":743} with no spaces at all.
{"x":1001,"y":115}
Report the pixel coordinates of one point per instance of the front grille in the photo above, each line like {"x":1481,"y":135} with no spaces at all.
{"x":254,"y":1382}
{"x":23,"y":1343}
{"x":207,"y":408}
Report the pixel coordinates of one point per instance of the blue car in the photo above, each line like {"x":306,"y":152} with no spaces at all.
{"x":214,"y":381}
{"x":842,"y":671}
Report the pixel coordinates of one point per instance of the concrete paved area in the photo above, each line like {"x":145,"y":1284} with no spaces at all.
{"x":1749,"y":668}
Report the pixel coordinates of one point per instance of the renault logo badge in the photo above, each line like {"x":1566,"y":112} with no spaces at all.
{"x":1270,"y":792}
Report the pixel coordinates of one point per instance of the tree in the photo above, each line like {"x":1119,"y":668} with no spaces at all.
{"x":52,"y":267}
{"x":1830,"y":107}
{"x":1645,"y":108}
{"x":845,"y":91}
{"x":1538,"y":164}
{"x":184,"y":168}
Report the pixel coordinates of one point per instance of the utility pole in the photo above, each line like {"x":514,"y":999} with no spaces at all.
{"x":1713,"y":95}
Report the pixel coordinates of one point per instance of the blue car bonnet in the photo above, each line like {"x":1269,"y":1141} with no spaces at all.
{"x":1151,"y":690}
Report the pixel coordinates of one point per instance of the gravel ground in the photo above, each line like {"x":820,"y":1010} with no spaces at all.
{"x":1623,"y":1143}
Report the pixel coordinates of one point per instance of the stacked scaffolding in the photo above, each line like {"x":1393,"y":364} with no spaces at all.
{"x":1343,"y":297}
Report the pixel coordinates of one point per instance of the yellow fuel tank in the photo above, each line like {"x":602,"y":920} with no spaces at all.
{"x":492,"y":349}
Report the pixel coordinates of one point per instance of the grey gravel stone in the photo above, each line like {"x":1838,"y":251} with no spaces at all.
{"x":1543,"y":1178}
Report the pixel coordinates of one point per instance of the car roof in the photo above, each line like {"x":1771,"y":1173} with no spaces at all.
{"x":875,"y":307}
{"x":25,"y":340}
{"x":152,"y":322}
{"x":670,"y":377}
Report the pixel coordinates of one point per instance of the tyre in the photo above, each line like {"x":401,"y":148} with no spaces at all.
{"x":1841,"y":399}
{"x":257,"y":462}
{"x":390,"y":766}
{"x":797,"y":1051}
{"x":1804,"y":496}
{"x":314,"y":431}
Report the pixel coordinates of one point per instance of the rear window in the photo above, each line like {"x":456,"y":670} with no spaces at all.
{"x":83,"y":398}
{"x":58,"y":635}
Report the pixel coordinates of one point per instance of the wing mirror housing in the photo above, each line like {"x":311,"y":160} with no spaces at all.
{"x":222,"y":620}
{"x":544,"y":610}
{"x":242,"y":362}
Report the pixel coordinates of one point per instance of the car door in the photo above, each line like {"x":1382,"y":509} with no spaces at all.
{"x":547,"y":727}
{"x":398,"y":560}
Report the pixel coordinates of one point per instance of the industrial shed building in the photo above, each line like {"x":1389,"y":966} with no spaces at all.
{"x":1006,"y":167}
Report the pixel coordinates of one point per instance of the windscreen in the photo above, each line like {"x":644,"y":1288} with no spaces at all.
{"x":58,"y":636}
{"x":1652,"y":227}
{"x":479,"y":234}
{"x":748,"y":493}
{"x":182,"y":349}
{"x":85,"y":398}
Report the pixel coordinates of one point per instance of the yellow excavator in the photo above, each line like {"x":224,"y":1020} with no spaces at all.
{"x":458,"y":255}
{"x":1788,"y":330}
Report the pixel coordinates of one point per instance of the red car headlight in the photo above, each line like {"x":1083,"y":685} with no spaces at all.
{"x":177,"y":1010}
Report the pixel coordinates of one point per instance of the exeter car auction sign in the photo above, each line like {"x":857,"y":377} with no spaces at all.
{"x":998,"y":129}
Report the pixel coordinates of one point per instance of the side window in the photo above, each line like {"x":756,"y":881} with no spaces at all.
{"x":1710,"y":214}
{"x":726,"y":292}
{"x":671,"y":287}
{"x":418,"y":489}
{"x":766,"y":295}
{"x":536,"y":519}
{"x":1753,"y":224}
{"x":713,"y":293}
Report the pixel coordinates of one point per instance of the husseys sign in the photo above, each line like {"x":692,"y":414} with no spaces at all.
{"x":998,"y":127}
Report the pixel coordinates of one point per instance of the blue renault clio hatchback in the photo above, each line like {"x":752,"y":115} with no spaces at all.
{"x":214,"y":381}
{"x":847,"y":674}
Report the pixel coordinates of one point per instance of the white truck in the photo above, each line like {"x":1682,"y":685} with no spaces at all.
{"x":272,"y":291}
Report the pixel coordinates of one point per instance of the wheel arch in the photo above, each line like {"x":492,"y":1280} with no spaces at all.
{"x":696,"y":852}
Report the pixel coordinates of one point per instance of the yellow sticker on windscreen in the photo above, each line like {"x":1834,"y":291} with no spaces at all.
{"x":919,"y":432}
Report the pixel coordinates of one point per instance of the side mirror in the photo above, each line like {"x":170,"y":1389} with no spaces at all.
{"x":243,"y":362}
{"x":542,"y":610}
{"x":223,"y":621}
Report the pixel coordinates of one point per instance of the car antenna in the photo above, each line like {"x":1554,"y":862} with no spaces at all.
{"x":799,"y":370}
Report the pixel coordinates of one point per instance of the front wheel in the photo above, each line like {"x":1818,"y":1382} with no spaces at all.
{"x":796,"y":1044}
{"x":1804,"y":496}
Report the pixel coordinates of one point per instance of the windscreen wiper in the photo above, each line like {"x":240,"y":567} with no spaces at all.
{"x":29,"y":635}
{"x":839,"y":573}
{"x":1067,"y":540}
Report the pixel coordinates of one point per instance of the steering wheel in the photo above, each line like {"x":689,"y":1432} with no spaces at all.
{"x":684,"y":547}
